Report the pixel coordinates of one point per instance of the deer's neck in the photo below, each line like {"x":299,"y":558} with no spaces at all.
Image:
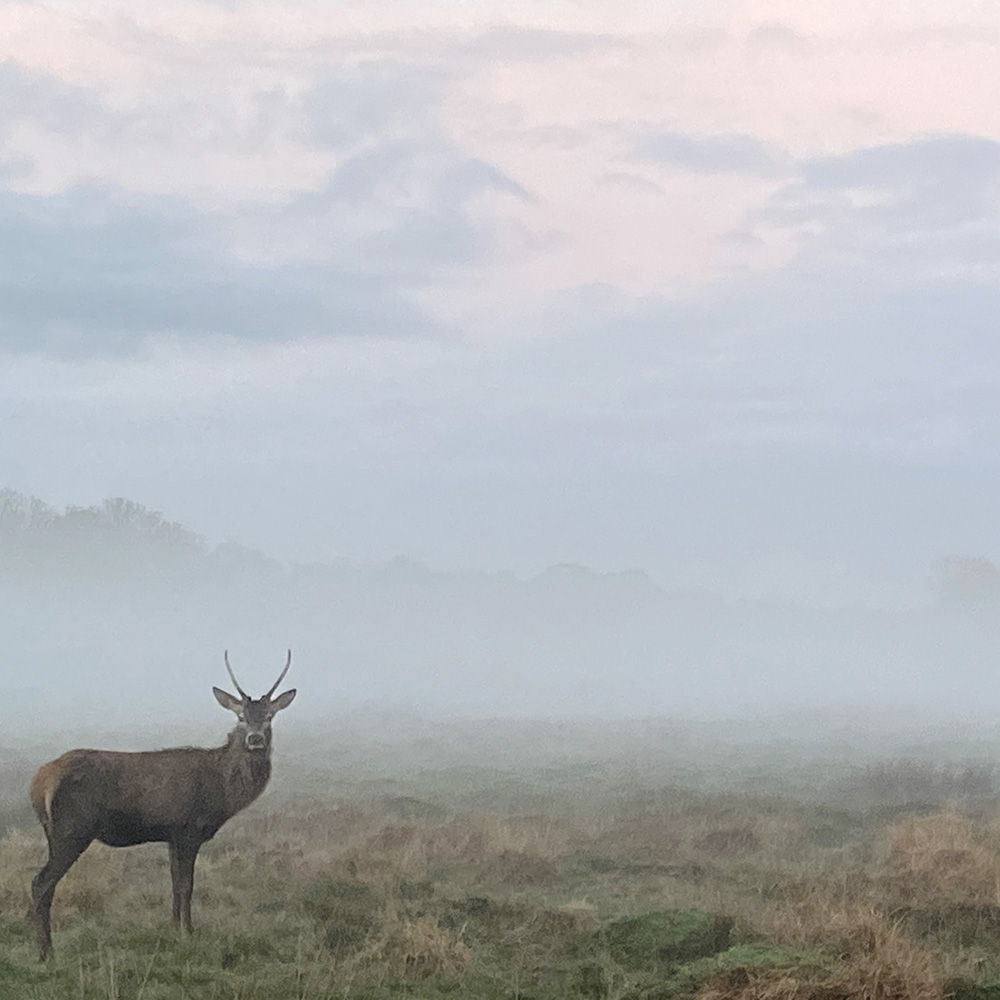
{"x":245,"y":773}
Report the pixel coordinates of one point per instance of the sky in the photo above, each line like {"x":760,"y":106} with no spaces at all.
{"x":707,"y":288}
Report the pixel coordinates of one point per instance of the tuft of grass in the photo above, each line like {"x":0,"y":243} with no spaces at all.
{"x":962,"y":989}
{"x":944,"y":858}
{"x":346,"y":911}
{"x":740,"y":965}
{"x":421,"y":947}
{"x":666,"y":936}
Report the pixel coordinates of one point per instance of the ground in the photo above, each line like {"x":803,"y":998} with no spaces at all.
{"x":569,"y":880}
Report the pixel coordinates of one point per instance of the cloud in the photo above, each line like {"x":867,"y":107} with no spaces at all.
{"x":931,"y":206}
{"x":95,"y":270}
{"x":711,"y":153}
{"x":98,"y":267}
{"x":52,"y":104}
{"x":402,"y":208}
{"x":379,"y":97}
{"x":632,"y":182}
{"x":513,"y":43}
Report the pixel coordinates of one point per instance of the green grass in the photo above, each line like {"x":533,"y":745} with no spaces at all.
{"x":666,"y":937}
{"x":486,"y":888}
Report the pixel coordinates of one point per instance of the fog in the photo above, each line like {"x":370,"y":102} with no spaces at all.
{"x":116,"y":620}
{"x":545,"y":361}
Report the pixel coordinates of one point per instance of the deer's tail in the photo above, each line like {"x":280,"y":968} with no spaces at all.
{"x":43,"y":791}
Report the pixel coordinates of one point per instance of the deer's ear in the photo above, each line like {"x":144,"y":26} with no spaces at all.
{"x":226,"y":700}
{"x":282,"y":701}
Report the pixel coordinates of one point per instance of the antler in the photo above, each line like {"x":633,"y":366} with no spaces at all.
{"x":232,"y":677}
{"x":281,"y":677}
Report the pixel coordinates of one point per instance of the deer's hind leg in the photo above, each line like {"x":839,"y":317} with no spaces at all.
{"x":62,"y":854}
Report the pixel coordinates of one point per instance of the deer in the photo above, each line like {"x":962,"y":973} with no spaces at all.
{"x":180,"y":796}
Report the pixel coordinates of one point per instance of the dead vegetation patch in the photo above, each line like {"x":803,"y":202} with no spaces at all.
{"x":420,"y":947}
{"x":943,"y":859}
{"x":730,"y":842}
{"x":875,"y":960}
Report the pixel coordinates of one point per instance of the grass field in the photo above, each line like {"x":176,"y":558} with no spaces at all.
{"x":574,"y":878}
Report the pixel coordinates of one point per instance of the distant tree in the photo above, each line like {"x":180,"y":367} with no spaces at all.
{"x":25,"y":523}
{"x":132,"y":519}
{"x":232,"y":558}
{"x":115,"y":534}
{"x":967,"y":581}
{"x":19,"y":513}
{"x":127,"y":515}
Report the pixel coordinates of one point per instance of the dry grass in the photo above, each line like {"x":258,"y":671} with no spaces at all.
{"x":877,"y":962}
{"x":374,"y":892}
{"x":943,"y":859}
{"x":420,"y":947}
{"x":942,"y":863}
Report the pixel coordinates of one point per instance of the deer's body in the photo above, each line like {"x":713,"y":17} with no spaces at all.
{"x":122,"y":799}
{"x":179,"y":796}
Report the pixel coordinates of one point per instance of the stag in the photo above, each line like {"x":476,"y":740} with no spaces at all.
{"x":180,"y":796}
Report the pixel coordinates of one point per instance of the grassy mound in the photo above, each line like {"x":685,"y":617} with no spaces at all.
{"x":665,"y":937}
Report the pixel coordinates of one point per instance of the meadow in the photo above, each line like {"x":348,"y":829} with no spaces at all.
{"x":510,"y":863}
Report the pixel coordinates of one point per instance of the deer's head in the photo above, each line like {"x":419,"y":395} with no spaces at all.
{"x":255,"y":714}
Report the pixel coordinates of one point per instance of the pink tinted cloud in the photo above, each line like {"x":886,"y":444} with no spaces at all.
{"x":804,"y":80}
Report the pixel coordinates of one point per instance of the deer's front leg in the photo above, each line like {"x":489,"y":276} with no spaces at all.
{"x":182,"y":858}
{"x":174,"y":883}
